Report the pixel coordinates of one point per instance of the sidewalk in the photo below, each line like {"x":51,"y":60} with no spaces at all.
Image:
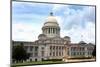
{"x":80,"y":60}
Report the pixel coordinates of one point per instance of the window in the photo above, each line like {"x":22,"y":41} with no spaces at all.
{"x":26,"y":47}
{"x":57,"y":53}
{"x":50,"y":47}
{"x":53,"y":53}
{"x":42,"y":52}
{"x":42,"y":59}
{"x":77,"y":53}
{"x":50,"y":53}
{"x":21,"y":43}
{"x":31,"y":48}
{"x":42,"y":48}
{"x":74,"y":53}
{"x":59,"y":47}
{"x":31,"y":54}
{"x":36,"y":48}
{"x":62,"y":53}
{"x":56,"y":47}
{"x":83,"y":53}
{"x":53,"y":47}
{"x":53,"y":30}
{"x":35,"y":59}
{"x":35,"y":54}
{"x":71,"y":48}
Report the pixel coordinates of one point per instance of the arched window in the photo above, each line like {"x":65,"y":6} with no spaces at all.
{"x":35,"y":59}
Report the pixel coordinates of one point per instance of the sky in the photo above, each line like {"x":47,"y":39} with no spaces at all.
{"x":76,"y":21}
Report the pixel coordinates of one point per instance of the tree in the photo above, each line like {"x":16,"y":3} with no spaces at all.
{"x":94,"y":52}
{"x":19,"y":53}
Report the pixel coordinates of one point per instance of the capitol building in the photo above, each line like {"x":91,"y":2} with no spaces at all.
{"x":50,"y":45}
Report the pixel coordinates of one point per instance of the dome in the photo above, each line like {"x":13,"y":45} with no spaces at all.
{"x":66,"y":37}
{"x":51,"y":24}
{"x":42,"y":36}
{"x":82,"y":42}
{"x":51,"y":27}
{"x":51,"y":21}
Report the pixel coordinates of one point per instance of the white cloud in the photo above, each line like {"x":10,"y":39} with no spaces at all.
{"x":76,"y":33}
{"x":25,"y":32}
{"x":71,"y":24}
{"x":57,"y":7}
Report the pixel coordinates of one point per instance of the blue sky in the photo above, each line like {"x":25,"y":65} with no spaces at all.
{"x":75,"y":20}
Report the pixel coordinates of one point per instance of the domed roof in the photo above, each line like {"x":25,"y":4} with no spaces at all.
{"x":66,"y":37}
{"x":82,"y":42}
{"x":42,"y":35}
{"x":51,"y":21}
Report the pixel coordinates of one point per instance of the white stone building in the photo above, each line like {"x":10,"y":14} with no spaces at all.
{"x":51,"y":46}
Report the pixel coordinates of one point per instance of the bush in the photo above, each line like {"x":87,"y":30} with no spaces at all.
{"x":53,"y":60}
{"x":81,"y":58}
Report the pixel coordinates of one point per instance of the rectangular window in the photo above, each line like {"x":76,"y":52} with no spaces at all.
{"x":42,"y":53}
{"x":31,"y":54}
{"x":50,"y":53}
{"x":53,"y":30}
{"x":26,"y":47}
{"x":53,"y":53}
{"x":50,"y":47}
{"x":42,"y":48}
{"x":57,"y":53}
{"x":31,"y":48}
{"x":35,"y":54}
{"x":36,"y":48}
{"x":53,"y":47}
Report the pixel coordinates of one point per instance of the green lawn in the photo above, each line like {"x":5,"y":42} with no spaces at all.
{"x":37,"y":63}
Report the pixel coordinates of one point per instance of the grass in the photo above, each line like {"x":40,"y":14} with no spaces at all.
{"x":37,"y":63}
{"x":45,"y":62}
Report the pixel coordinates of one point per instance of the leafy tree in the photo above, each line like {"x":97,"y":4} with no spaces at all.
{"x":94,"y":52}
{"x":19,"y":53}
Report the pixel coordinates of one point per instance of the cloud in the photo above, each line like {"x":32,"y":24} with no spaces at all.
{"x":25,"y":31}
{"x":58,"y":7}
{"x":77,"y":33}
{"x":28,"y":18}
{"x":75,"y":15}
{"x":79,"y":17}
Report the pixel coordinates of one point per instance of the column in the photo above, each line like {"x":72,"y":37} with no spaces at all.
{"x":58,"y":51}
{"x":55,"y":50}
{"x":52,"y":51}
{"x":53,"y":30}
